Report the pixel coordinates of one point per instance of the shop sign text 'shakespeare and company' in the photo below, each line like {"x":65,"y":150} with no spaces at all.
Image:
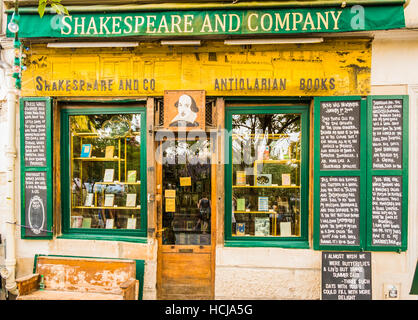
{"x":213,"y":22}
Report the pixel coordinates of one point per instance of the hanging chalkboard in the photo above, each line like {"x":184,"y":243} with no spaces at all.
{"x":346,"y":276}
{"x":36,"y":168}
{"x":339,"y":173}
{"x":340,"y":135}
{"x":387,"y":173}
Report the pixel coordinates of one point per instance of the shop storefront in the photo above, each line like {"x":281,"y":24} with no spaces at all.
{"x":186,"y":155}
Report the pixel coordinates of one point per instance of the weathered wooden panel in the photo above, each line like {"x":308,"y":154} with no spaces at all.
{"x":335,"y":67}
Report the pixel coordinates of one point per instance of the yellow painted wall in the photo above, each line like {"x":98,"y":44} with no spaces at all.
{"x":335,"y":67}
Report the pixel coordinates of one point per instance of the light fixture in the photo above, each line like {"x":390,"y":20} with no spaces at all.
{"x":13,"y":25}
{"x":92,"y":44}
{"x":180,"y":42}
{"x":272,"y":41}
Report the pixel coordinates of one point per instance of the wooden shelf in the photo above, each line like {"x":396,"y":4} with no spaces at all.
{"x":118,"y":182}
{"x":265,"y":212}
{"x":97,"y":135}
{"x":277,"y":161}
{"x":98,"y":159}
{"x":271,"y":187}
{"x":116,"y":208}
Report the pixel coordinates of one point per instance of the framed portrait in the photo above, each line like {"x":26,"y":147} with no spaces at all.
{"x":184,"y":109}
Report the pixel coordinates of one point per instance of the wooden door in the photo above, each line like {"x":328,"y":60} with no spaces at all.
{"x":186,"y":234}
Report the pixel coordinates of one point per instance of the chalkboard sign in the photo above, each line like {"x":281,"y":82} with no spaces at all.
{"x":340,"y":135}
{"x":34,"y":113}
{"x":36,"y":168}
{"x":339,"y":211}
{"x":387,"y":211}
{"x":387,"y":132}
{"x":36,"y":203}
{"x":346,"y":276}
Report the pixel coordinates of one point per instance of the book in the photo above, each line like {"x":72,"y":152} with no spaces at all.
{"x":131,"y":176}
{"x":240,"y":229}
{"x":241,"y":204}
{"x":263,"y":180}
{"x":109,"y":151}
{"x":241,"y":178}
{"x":131,"y":223}
{"x":131,"y":199}
{"x":89,"y":200}
{"x":263,"y":203}
{"x":285,"y":229}
{"x":108,"y":176}
{"x":189,"y":225}
{"x":109,"y":199}
{"x":86,"y":223}
{"x":76,"y":222}
{"x":109,"y":223}
{"x":285,"y":179}
{"x":262,"y":226}
{"x":86,"y":151}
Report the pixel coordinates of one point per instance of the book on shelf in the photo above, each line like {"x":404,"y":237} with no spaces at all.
{"x":76,"y":221}
{"x":109,"y":200}
{"x":263,"y":179}
{"x":109,"y":223}
{"x":131,"y":199}
{"x":131,"y":176}
{"x":86,"y":151}
{"x":240,"y":228}
{"x":241,"y":178}
{"x":241,"y":204}
{"x":131,"y":223}
{"x":262,"y":226}
{"x":86,"y":223}
{"x":285,"y":179}
{"x":108,"y":176}
{"x":89,"y":200}
{"x":109,"y":151}
{"x":263,"y":203}
{"x":189,"y":225}
{"x":285,"y":229}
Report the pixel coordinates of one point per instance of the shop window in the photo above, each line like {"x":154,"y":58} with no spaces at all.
{"x":266,"y":177}
{"x":104,"y":189}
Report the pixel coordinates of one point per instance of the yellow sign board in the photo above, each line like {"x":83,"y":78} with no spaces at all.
{"x":185,"y":181}
{"x":331,"y":68}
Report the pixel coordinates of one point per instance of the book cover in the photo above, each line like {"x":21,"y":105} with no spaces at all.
{"x":86,"y":223}
{"x":109,"y":199}
{"x":131,"y":200}
{"x":108,"y":176}
{"x":240,"y":229}
{"x":263,"y":203}
{"x":109,"y":151}
{"x":285,"y":179}
{"x":86,"y":151}
{"x":241,"y":178}
{"x":285,"y":229}
{"x":241,"y":204}
{"x":109,"y":223}
{"x":89,"y":200}
{"x":131,"y":176}
{"x":263,"y":179}
{"x":131,"y":223}
{"x":76,"y":221}
{"x":262,"y":226}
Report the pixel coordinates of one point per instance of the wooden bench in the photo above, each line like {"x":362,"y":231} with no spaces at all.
{"x":68,"y":278}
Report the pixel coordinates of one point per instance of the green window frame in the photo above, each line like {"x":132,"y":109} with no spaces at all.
{"x":302,"y":241}
{"x":134,"y":235}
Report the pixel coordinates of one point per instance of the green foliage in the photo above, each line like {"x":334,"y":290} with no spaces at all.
{"x":55,"y":4}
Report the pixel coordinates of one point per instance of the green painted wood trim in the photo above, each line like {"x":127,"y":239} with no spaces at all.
{"x":111,"y":234}
{"x":361,"y":173}
{"x":103,"y":237}
{"x":213,"y":5}
{"x":414,"y":286}
{"x":288,"y":242}
{"x":140,"y":267}
{"x":47,"y":169}
{"x":379,"y":172}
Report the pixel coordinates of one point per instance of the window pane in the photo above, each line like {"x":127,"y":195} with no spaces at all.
{"x":105,"y":171}
{"x":266,"y":175}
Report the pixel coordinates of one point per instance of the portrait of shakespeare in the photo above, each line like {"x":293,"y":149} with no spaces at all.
{"x":186,"y":112}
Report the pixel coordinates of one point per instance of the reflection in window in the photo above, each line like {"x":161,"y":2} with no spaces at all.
{"x":266,"y":175}
{"x":105,"y":171}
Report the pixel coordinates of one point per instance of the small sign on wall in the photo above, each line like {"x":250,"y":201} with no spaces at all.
{"x":184,"y":110}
